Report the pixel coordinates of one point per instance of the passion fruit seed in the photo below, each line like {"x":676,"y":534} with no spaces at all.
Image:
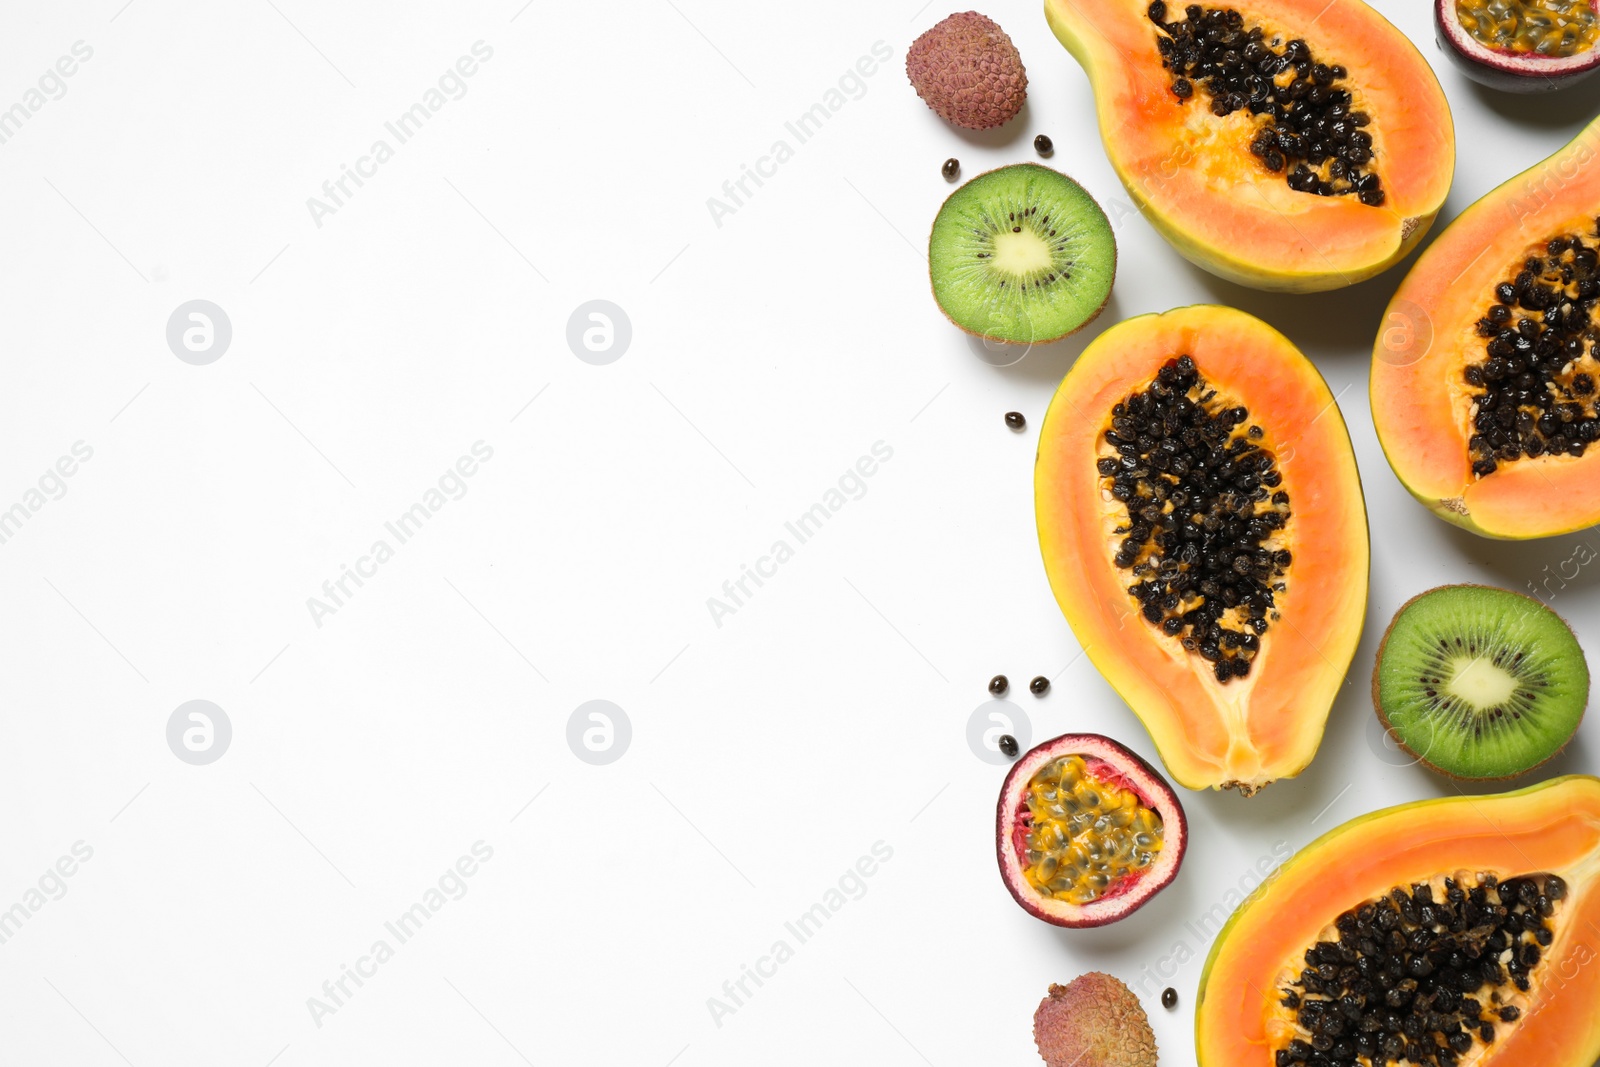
{"x":951,"y":168}
{"x":1015,"y":420}
{"x":998,"y":685}
{"x":1206,"y":520}
{"x":1306,"y":124}
{"x":1424,"y":974}
{"x":1008,"y":746}
{"x":1039,"y":686}
{"x":1084,"y":834}
{"x":1535,"y":390}
{"x":1556,"y":28}
{"x":1169,"y":998}
{"x":1043,"y":145}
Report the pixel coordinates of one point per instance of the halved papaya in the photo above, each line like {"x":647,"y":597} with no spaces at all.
{"x":1203,"y":529}
{"x":1451,"y":932}
{"x":1484,"y":372}
{"x":1293,"y":145}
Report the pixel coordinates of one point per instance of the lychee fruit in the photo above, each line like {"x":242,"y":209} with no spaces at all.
{"x":1093,"y":1021}
{"x":968,"y":71}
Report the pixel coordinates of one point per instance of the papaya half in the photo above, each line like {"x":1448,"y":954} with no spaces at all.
{"x":1291,"y":145}
{"x":1451,"y":932}
{"x":1484,"y":371}
{"x":1204,"y":532}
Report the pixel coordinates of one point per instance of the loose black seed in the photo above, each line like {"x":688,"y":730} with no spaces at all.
{"x":1169,"y":998}
{"x":1015,"y":420}
{"x":1039,"y":686}
{"x":951,"y":168}
{"x":1043,"y":145}
{"x":998,"y":685}
{"x":1008,"y":746}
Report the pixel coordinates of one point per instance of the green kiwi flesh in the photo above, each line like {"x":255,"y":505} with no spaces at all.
{"x":1480,"y":683}
{"x":1022,"y":254}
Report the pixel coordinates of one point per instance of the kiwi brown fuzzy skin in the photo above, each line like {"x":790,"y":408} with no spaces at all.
{"x":1394,"y":735}
{"x":991,"y":337}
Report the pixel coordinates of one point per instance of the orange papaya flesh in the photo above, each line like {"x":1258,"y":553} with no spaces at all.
{"x":1265,"y":722}
{"x":1193,"y":173}
{"x":1475,"y":855}
{"x":1423,"y":406}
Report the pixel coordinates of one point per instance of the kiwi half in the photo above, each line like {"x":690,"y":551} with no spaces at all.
{"x":1021,"y":254}
{"x":1478,"y":682}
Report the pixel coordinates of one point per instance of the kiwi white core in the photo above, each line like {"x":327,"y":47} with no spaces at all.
{"x":1020,"y":254}
{"x":1479,"y":682}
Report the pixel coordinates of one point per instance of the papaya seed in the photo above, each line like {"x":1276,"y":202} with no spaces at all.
{"x":1305,"y":121}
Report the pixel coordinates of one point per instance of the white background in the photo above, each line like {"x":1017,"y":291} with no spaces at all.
{"x":768,"y":354}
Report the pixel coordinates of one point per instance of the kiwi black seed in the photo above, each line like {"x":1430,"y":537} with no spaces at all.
{"x":1306,"y":125}
{"x":1428,"y":973}
{"x":1022,"y":255}
{"x":1478,"y":682}
{"x":1206,"y":524}
{"x":1533,"y":389}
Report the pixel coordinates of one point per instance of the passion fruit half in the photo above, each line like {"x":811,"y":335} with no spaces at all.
{"x":1520,"y":46}
{"x":1086,"y":831}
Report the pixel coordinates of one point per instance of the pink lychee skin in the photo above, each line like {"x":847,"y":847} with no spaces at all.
{"x":968,"y":71}
{"x":1093,"y":1021}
